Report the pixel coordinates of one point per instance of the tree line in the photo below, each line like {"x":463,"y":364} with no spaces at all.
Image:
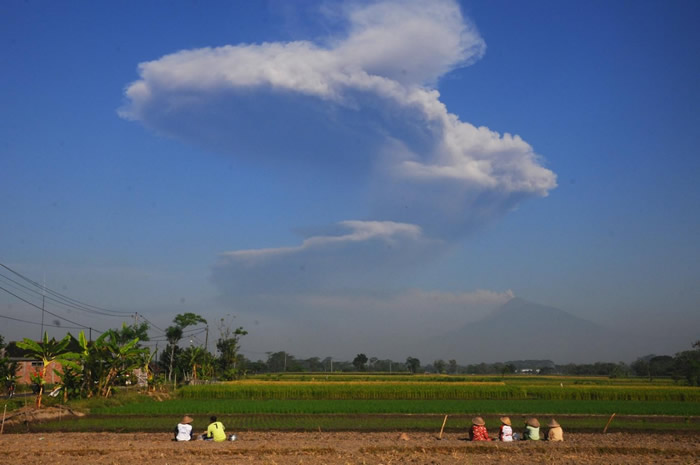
{"x":683,"y":366}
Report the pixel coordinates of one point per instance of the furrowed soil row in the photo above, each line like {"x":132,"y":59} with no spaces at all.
{"x":331,"y":448}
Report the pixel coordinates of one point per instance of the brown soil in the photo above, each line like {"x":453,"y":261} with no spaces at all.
{"x":32,"y":414}
{"x":343,"y":448}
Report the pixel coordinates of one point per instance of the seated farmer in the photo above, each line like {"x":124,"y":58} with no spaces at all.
{"x":183,"y":430}
{"x":215,"y":431}
{"x":478,"y":431}
{"x":505,"y":433}
{"x":555,"y":432}
{"x":532,"y":430}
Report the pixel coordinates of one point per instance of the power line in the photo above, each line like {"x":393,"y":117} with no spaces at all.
{"x":38,"y":324}
{"x":186,"y":334}
{"x":57,"y":301}
{"x":151,"y":324}
{"x":43,"y":310}
{"x":68,"y":300}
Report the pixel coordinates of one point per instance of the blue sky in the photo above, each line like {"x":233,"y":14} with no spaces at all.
{"x":290,"y":163}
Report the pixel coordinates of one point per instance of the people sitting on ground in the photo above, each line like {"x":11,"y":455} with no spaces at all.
{"x":532,"y":430}
{"x":505,"y":433}
{"x":183,"y":430}
{"x":555,"y":432}
{"x":215,"y":431}
{"x":478,"y":430}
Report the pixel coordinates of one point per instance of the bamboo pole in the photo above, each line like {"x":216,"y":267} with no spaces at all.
{"x":605,"y":430}
{"x":2,"y":428}
{"x":443,"y":427}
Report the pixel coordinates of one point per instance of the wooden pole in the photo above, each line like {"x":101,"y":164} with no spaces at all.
{"x":605,"y":430}
{"x":2,"y":428}
{"x":443,"y":427}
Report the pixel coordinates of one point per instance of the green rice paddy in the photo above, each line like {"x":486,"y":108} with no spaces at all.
{"x":343,"y":402}
{"x":205,"y":406}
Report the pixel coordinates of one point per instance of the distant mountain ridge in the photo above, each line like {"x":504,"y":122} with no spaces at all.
{"x":525,"y":330}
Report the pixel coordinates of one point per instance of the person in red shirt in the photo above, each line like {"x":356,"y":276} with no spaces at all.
{"x":478,"y":430}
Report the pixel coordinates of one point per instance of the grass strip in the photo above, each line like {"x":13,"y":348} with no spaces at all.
{"x":242,"y":423}
{"x":220,"y":406}
{"x":386,"y":390}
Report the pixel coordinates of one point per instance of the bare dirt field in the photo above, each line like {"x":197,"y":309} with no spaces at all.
{"x":343,"y":448}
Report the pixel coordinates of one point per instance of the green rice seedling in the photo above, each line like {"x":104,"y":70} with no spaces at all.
{"x":342,"y":422}
{"x":385,"y":390}
{"x":314,"y":407}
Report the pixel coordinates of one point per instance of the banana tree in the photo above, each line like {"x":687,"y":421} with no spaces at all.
{"x":195,"y":359}
{"x":107,"y":360}
{"x":49,"y":352}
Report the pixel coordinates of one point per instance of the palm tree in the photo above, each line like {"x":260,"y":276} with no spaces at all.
{"x":49,"y":352}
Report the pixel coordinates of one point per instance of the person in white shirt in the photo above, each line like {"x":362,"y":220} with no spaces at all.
{"x":505,"y":433}
{"x":183,"y":430}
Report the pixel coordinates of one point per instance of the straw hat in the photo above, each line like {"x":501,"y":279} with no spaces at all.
{"x":532,"y":421}
{"x":478,"y":421}
{"x":186,"y":420}
{"x":553,"y":423}
{"x":505,"y":421}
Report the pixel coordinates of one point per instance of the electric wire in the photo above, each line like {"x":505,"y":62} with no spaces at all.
{"x":68,"y":300}
{"x":70,"y":303}
{"x":47,"y":311}
{"x":39,"y":324}
{"x":186,"y":334}
{"x":56,"y":301}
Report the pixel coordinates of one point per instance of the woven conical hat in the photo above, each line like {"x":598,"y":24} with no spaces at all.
{"x":533,"y":422}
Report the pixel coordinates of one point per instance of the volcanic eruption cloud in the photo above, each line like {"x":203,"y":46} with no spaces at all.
{"x":360,"y":103}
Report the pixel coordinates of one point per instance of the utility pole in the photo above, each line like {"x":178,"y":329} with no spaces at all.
{"x":206,"y":339}
{"x":41,"y":336}
{"x":43,"y":298}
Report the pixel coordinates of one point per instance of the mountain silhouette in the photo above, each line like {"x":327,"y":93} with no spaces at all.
{"x":525,"y":330}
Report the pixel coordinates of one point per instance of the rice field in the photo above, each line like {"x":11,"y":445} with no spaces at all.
{"x":389,"y":403}
{"x":410,"y":390}
{"x":414,"y":407}
{"x":528,"y":380}
{"x":349,"y":422}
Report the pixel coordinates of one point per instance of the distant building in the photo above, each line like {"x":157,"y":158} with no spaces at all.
{"x":529,"y":371}
{"x":27,"y":365}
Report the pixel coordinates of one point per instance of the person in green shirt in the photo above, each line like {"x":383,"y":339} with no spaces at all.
{"x":532,"y":430}
{"x":215,"y":431}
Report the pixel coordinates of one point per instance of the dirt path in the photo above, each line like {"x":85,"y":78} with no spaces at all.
{"x":341,"y":448}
